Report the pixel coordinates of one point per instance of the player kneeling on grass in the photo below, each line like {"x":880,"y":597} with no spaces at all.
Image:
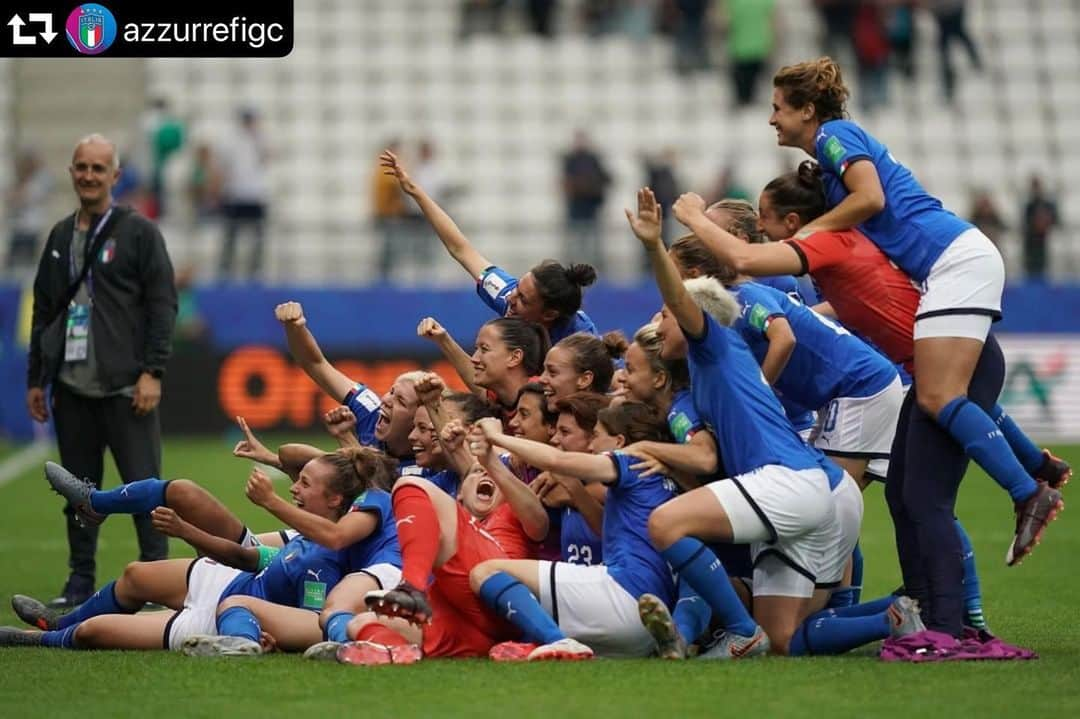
{"x":234,"y":590}
{"x":572,"y":610}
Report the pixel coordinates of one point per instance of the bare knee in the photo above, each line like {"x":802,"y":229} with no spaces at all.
{"x":179,"y":492}
{"x":481,"y":572}
{"x":357,"y":623}
{"x":90,"y":635}
{"x":236,"y":600}
{"x":663,"y":528}
{"x":347,"y":596}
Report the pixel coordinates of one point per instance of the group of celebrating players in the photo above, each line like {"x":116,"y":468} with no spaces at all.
{"x":693,"y":491}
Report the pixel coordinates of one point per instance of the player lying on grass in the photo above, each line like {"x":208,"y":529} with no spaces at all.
{"x":549,"y":293}
{"x":509,"y":352}
{"x":569,"y":611}
{"x":232,"y":590}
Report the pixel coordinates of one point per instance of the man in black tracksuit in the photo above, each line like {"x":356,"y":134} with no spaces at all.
{"x":104,"y":354}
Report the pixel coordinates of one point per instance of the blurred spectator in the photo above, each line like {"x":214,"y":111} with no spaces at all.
{"x":1040,"y":218}
{"x":131,"y":188}
{"x":638,"y":19}
{"x":950,"y":20}
{"x":245,"y":192}
{"x":901,"y":27}
{"x":585,"y":181}
{"x":482,"y":16}
{"x":660,"y":176}
{"x":204,"y":183}
{"x":190,"y":326}
{"x":388,"y":212}
{"x":542,"y":17}
{"x":984,"y":215}
{"x":600,"y":16}
{"x":837,"y":17}
{"x":750,"y":40}
{"x":415,"y":242}
{"x":691,"y":36}
{"x":727,"y":187}
{"x":27,"y":202}
{"x":165,"y":136}
{"x":871,"y":54}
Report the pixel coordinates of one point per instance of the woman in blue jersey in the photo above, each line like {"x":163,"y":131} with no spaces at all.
{"x":549,"y":293}
{"x":573,"y":611}
{"x":330,"y":487}
{"x":959,"y":271}
{"x":581,"y":363}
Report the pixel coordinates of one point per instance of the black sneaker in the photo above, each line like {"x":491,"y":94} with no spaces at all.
{"x":77,"y":590}
{"x":17,"y":637}
{"x":404,"y":600}
{"x":34,"y":612}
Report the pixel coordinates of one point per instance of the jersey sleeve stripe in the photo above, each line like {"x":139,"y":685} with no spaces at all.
{"x":803,"y":261}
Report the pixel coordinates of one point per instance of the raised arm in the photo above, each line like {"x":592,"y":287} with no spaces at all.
{"x":756,"y":260}
{"x":452,"y":237}
{"x":865,"y":198}
{"x":305,"y":350}
{"x":646,"y":226}
{"x":353,"y":527}
{"x":586,"y":467}
{"x":527,"y":507}
{"x":429,"y":328}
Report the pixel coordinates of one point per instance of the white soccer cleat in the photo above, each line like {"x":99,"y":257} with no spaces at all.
{"x":566,"y":650}
{"x":220,"y":646}
{"x":734,"y":646}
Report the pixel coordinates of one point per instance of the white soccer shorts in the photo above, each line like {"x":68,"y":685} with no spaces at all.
{"x":206,"y":581}
{"x":962,"y":294}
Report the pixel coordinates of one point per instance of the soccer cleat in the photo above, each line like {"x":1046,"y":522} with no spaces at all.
{"x":220,"y":646}
{"x":76,"y":491}
{"x":564,"y":650}
{"x":511,"y":651}
{"x":904,"y":617}
{"x":658,"y":622}
{"x":1032,"y":516}
{"x":365,"y":653}
{"x":18,"y":637}
{"x":1055,"y":471}
{"x":404,"y":600}
{"x":734,"y":646}
{"x":323,"y":651}
{"x":33,"y":612}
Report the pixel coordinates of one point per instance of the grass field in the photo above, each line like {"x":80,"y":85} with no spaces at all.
{"x":1028,"y":605}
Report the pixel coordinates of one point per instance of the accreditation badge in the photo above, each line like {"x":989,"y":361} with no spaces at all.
{"x":77,"y":336}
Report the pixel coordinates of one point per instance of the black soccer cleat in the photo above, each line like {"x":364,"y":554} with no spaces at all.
{"x":76,"y":491}
{"x":1032,"y":517}
{"x":33,"y":612}
{"x":1055,"y":471}
{"x":404,"y":601}
{"x":17,"y":637}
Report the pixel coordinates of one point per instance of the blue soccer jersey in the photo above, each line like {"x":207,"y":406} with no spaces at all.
{"x":738,"y":405}
{"x":913,"y":229}
{"x":364,"y":404}
{"x":630,"y":556}
{"x":381,"y":546}
{"x":300,"y":575}
{"x":495,"y":284}
{"x":827,"y":362}
{"x":783,"y":283}
{"x":683,"y":418}
{"x":447,"y":480}
{"x":578,"y":543}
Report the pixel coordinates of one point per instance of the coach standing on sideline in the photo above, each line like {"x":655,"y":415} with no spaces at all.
{"x":104,"y":309}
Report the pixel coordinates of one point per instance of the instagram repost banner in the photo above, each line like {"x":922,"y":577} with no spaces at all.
{"x":136,"y":28}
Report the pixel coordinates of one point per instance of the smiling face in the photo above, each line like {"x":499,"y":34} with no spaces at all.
{"x":672,"y":340}
{"x":771,"y":223}
{"x":642,"y":383}
{"x":396,"y":416}
{"x":478,"y":493}
{"x":528,"y":419}
{"x":94,"y":172}
{"x":569,"y":435}
{"x":603,"y":441}
{"x":311,"y":492}
{"x":794,"y":126}
{"x":492,"y":358}
{"x":560,"y":379}
{"x":524,"y":300}
{"x":424,"y":441}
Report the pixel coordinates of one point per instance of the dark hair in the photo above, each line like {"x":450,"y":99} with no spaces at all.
{"x":801,"y":192}
{"x":589,"y":353}
{"x":585,"y":408}
{"x":560,"y":286}
{"x":677,"y":370}
{"x":472,"y":408}
{"x":690,"y":253}
{"x":529,"y":337}
{"x":636,"y":422}
{"x":817,"y":81}
{"x":358,"y":469}
{"x":615,"y":343}
{"x":548,"y":417}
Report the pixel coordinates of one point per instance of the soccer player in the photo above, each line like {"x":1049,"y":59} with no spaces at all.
{"x":296,"y":577}
{"x":549,"y":293}
{"x":573,"y":611}
{"x":580,"y":363}
{"x":779,"y":498}
{"x":960,"y":275}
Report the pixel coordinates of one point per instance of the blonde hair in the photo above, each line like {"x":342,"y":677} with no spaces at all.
{"x":711,"y":296}
{"x":818,"y":82}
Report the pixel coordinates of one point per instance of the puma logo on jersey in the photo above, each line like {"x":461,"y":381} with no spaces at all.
{"x":315,"y":574}
{"x":405,"y":520}
{"x":124,"y":490}
{"x":510,"y":611}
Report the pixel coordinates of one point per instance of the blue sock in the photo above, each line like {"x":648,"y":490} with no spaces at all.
{"x":513,"y":601}
{"x":239,"y":622}
{"x":984,"y":442}
{"x":103,"y":601}
{"x":849,"y":596}
{"x":1029,"y":455}
{"x":692,"y":614}
{"x":972,"y":590}
{"x":132,"y":498}
{"x":836,"y":635}
{"x":334,"y":630}
{"x":60,"y":639}
{"x":699,"y":567}
{"x":874,"y":606}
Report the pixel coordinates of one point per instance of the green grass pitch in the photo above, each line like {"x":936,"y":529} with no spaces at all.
{"x":1031,"y":605}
